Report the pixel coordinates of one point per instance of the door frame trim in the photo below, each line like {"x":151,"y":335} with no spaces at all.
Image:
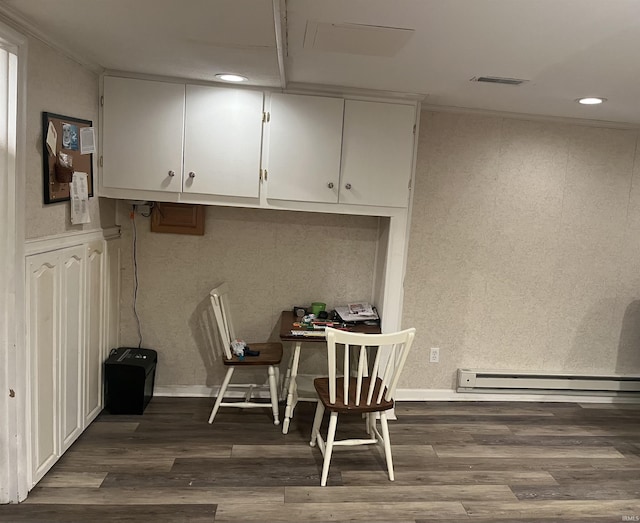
{"x":14,"y":473}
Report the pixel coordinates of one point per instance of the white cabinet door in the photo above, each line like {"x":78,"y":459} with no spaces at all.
{"x":223,"y":137}
{"x":71,"y":344}
{"x":43,"y":302}
{"x":377,"y":153}
{"x":142,"y":134}
{"x":305,"y":138}
{"x":66,"y":333}
{"x":56,"y":341}
{"x":94,"y":310}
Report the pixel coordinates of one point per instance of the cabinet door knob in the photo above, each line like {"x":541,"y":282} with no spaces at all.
{"x":192,"y":174}
{"x":171,"y":173}
{"x":347,"y":186}
{"x":330,"y":185}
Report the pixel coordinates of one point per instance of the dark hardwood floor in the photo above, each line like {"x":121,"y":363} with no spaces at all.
{"x":460,"y":461}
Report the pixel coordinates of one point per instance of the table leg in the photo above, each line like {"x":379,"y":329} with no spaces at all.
{"x":287,"y":378}
{"x":292,"y":372}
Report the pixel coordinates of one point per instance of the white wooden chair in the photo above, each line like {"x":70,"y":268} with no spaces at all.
{"x":270,"y":357}
{"x":360,"y":394}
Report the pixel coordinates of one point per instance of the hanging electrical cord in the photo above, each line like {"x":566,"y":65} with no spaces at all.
{"x":135,"y":273}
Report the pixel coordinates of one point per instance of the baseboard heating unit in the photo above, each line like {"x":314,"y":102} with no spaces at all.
{"x":491,"y":381}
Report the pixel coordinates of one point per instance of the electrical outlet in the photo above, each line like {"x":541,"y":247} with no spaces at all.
{"x":434,"y":355}
{"x":144,"y":209}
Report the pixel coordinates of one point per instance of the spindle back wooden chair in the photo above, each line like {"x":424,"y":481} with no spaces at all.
{"x":270,"y":357}
{"x":360,"y":390}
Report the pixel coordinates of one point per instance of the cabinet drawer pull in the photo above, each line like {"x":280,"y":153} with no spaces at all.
{"x":330,"y":185}
{"x":171,"y":173}
{"x":347,"y":186}
{"x":192,"y":174}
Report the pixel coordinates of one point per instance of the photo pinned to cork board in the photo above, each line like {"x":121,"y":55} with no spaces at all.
{"x":68,"y":145}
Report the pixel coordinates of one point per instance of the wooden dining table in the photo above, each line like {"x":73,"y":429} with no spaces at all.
{"x":290,"y":383}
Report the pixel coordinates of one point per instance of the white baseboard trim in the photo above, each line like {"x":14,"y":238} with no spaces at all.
{"x":201,"y":391}
{"x":186,"y":391}
{"x":453,"y":395}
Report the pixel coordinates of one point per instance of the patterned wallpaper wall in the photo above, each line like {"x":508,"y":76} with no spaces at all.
{"x":58,"y":85}
{"x":524,"y":250}
{"x":272,"y":260}
{"x":524,"y":247}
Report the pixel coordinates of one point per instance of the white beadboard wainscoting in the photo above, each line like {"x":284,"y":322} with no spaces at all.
{"x":72,"y":311}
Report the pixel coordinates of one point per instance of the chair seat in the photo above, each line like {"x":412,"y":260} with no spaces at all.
{"x":322,"y":388}
{"x":270,"y":354}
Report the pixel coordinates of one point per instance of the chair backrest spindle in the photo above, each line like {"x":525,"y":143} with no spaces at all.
{"x":374,"y":372}
{"x":331,"y":361}
{"x":362,"y":358}
{"x":346,"y":371}
{"x":400,"y":361}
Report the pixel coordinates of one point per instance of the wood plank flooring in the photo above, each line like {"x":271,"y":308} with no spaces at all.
{"x":454,"y":462}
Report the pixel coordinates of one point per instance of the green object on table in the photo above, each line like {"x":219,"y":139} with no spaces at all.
{"x":317,"y":307}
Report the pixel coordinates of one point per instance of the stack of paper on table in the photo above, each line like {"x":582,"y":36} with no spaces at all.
{"x":361,"y":311}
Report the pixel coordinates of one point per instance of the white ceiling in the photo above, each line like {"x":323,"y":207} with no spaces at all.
{"x":431,"y":48}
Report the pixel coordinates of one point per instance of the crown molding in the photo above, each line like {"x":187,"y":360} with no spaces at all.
{"x":18,"y":22}
{"x":527,"y":116}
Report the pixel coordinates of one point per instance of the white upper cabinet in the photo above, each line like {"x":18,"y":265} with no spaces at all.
{"x":377,"y":153}
{"x":142,"y":134}
{"x":328,"y":150}
{"x":223,"y":136}
{"x":208,"y":144}
{"x":305,"y":138}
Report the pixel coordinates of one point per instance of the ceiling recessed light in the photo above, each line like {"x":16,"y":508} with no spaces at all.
{"x":228,"y":77}
{"x":591,"y":100}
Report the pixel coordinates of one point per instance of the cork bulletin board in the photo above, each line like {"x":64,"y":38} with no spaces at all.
{"x":62,"y":155}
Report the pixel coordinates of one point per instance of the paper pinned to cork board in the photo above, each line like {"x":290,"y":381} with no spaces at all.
{"x":79,"y":193}
{"x":52,"y":137}
{"x":87,"y":140}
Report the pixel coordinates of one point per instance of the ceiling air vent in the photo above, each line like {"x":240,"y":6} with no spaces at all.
{"x":498,"y":80}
